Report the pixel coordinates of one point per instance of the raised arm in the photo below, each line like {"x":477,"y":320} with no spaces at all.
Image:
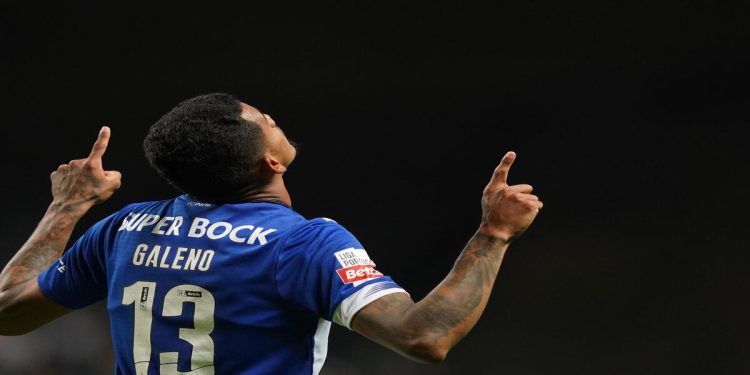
{"x":76,"y":187}
{"x":425,"y":331}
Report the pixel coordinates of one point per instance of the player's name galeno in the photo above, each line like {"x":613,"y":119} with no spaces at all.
{"x":200,"y":227}
{"x":181,"y":258}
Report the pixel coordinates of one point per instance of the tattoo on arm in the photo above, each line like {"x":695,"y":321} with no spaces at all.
{"x":455,"y":305}
{"x":44,"y":246}
{"x":32,"y":262}
{"x":447,"y":313}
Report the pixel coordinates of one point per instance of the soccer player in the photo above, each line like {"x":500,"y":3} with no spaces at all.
{"x":227,"y":278}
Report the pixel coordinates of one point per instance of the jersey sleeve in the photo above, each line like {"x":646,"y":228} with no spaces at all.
{"x":322,"y":268}
{"x":79,"y":277}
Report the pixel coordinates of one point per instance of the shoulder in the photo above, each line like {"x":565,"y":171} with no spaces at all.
{"x":318,"y":236}
{"x":322,"y":223}
{"x":128,"y":209}
{"x":317,"y":227}
{"x":132,"y":210}
{"x":146,"y":205}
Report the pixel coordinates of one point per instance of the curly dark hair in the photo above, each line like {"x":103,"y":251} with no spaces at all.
{"x":204,"y":148}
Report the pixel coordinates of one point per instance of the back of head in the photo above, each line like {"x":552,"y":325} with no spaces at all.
{"x":204,"y":148}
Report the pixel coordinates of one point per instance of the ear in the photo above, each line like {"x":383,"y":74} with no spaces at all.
{"x":273,"y":164}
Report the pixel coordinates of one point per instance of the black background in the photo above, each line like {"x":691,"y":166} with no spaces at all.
{"x":627,"y":119}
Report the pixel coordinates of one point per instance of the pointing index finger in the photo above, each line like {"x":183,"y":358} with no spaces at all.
{"x":100,"y":146}
{"x":502,"y":170}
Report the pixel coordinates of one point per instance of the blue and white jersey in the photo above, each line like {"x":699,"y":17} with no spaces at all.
{"x":196,"y":288}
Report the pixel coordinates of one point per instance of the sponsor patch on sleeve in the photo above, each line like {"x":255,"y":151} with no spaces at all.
{"x":356,"y":266}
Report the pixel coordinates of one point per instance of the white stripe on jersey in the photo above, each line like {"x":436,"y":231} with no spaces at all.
{"x":320,"y":345}
{"x":355,"y":302}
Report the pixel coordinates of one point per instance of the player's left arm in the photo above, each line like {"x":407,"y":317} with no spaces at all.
{"x":76,"y":187}
{"x":425,"y":331}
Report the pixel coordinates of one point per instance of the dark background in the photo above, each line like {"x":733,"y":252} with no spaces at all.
{"x":627,"y":119}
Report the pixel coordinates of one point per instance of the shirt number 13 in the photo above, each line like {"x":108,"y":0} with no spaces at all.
{"x":141,"y":294}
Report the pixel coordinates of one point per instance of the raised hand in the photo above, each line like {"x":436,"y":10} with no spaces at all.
{"x":507,"y":210}
{"x":83,"y":182}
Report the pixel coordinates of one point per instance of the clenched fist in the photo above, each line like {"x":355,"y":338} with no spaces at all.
{"x":83,"y":183}
{"x":507,"y":210}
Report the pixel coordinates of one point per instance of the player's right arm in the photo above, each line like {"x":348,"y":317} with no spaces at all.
{"x":425,"y":331}
{"x":76,"y":187}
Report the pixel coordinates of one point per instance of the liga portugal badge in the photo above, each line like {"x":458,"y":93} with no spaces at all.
{"x":356,"y":266}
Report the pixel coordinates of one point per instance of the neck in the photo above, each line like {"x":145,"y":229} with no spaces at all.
{"x":274,"y":191}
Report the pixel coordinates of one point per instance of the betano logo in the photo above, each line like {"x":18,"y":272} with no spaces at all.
{"x":358,"y":273}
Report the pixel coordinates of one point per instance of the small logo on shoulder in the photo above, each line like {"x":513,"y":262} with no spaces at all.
{"x":200,"y":204}
{"x":354,"y":274}
{"x":61,"y":267}
{"x":356,"y":266}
